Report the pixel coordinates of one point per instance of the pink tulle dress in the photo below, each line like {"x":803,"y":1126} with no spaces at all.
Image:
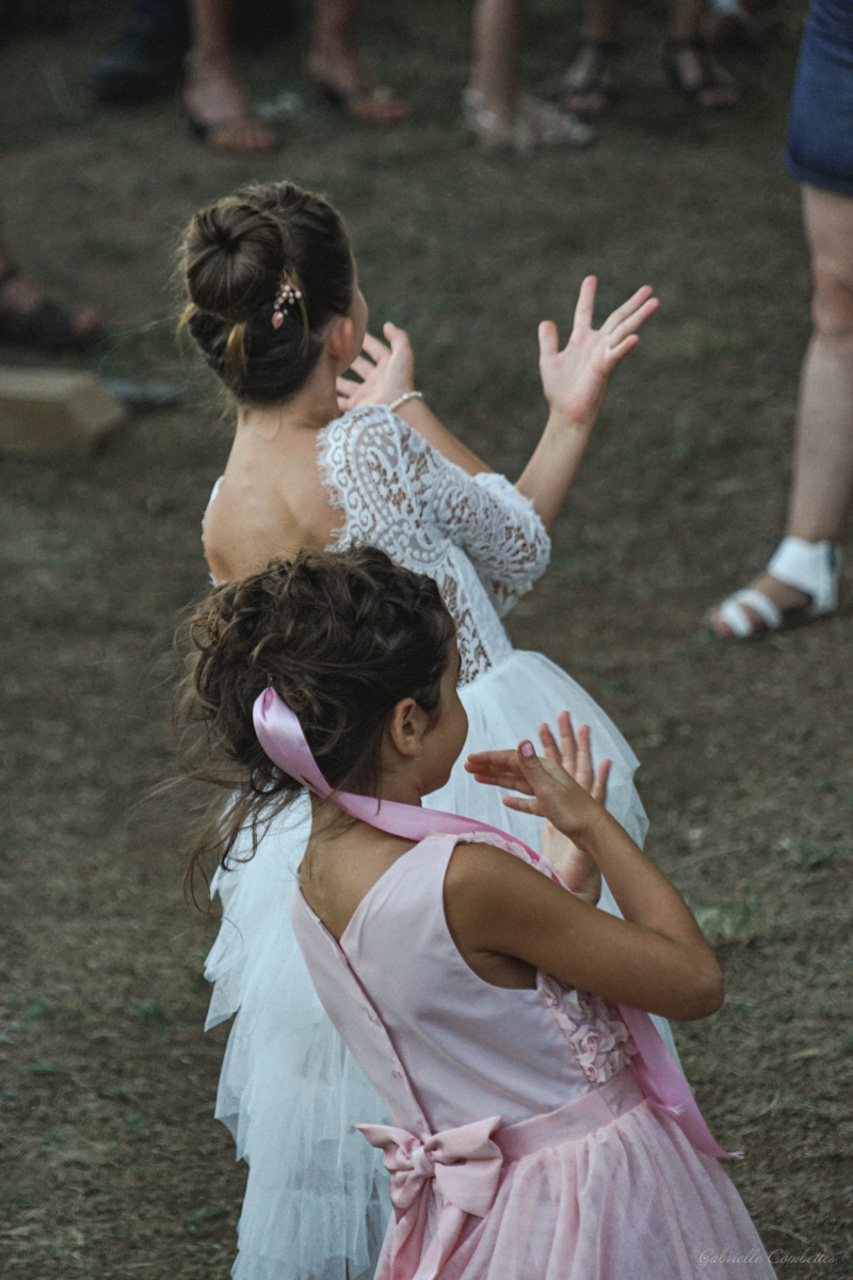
{"x":522,"y":1147}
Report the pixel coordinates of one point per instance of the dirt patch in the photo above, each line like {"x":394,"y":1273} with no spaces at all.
{"x":112,"y":1164}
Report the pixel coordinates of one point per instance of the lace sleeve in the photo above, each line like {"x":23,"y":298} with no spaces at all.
{"x":396,"y":491}
{"x":495,"y":525}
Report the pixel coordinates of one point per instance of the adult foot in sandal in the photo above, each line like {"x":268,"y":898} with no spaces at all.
{"x":218,"y":110}
{"x":28,"y":318}
{"x":589,"y":85}
{"x":344,"y":83}
{"x":532,"y":124}
{"x":800,"y":581}
{"x":694,"y":74}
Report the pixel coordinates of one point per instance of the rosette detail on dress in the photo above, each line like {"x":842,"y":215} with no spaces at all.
{"x":598,"y":1037}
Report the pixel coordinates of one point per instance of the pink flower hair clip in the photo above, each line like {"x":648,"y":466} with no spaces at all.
{"x":286,"y":296}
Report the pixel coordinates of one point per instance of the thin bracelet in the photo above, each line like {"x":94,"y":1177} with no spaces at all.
{"x":410,"y":395}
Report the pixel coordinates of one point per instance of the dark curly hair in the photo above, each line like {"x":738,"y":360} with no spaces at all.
{"x":232,"y":258}
{"x":342,"y":637}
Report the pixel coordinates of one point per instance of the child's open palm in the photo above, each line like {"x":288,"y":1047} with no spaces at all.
{"x":574,"y":380}
{"x":572,"y":757}
{"x":575,"y":867}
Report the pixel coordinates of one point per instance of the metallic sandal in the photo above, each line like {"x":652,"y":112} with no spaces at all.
{"x":534,"y":123}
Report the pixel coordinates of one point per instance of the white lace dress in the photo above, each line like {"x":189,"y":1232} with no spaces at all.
{"x":315,"y":1205}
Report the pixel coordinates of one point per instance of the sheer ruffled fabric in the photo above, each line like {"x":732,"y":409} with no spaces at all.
{"x":289,"y":1090}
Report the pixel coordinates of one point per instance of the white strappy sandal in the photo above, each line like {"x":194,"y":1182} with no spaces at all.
{"x":810,"y":567}
{"x":533,"y":124}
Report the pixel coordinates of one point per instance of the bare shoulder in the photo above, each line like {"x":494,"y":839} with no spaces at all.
{"x":489,"y":875}
{"x":496,"y":904}
{"x":267,"y":507}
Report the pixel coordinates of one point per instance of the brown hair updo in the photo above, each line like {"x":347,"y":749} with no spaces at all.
{"x":233,"y":256}
{"x":341,"y":637}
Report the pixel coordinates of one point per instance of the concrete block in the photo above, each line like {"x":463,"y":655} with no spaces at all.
{"x":44,"y":412}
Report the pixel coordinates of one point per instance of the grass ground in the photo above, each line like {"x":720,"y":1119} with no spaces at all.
{"x":111,"y":1164}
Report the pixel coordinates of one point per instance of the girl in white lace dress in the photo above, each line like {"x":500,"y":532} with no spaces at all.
{"x":322,"y":460}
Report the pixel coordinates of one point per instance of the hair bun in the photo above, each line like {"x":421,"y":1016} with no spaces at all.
{"x":241,"y":315}
{"x":235,"y":259}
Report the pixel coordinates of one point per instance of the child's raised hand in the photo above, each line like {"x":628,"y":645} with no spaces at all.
{"x":574,"y":380}
{"x":575,"y":867}
{"x":561,"y":787}
{"x":575,"y":755}
{"x":386,"y":370}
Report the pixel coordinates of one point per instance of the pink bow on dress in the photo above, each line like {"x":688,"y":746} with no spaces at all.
{"x":465,"y":1167}
{"x":464,"y":1162}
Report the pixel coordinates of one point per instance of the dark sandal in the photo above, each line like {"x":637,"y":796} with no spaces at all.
{"x":239,"y":134}
{"x":47,"y":326}
{"x":361,"y":101}
{"x":230,"y":135}
{"x":369,"y":104}
{"x":708,"y":81}
{"x":594,"y":83}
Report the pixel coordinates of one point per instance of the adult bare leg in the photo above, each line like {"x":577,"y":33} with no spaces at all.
{"x":214,"y":99}
{"x":493,"y":73}
{"x":822,"y":487}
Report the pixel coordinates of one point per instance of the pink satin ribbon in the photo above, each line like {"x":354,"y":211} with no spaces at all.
{"x":280,"y":734}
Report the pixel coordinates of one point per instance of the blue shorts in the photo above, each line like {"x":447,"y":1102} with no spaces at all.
{"x":820,"y":128}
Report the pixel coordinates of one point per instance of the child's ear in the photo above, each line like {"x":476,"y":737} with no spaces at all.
{"x":407,"y":725}
{"x":340,"y":341}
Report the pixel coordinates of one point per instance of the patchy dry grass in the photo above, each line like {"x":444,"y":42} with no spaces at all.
{"x":111,"y":1164}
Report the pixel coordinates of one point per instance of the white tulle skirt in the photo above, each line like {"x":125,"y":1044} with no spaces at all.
{"x":316,"y":1204}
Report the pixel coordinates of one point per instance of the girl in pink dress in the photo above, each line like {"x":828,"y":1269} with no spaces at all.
{"x":540,"y":1129}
